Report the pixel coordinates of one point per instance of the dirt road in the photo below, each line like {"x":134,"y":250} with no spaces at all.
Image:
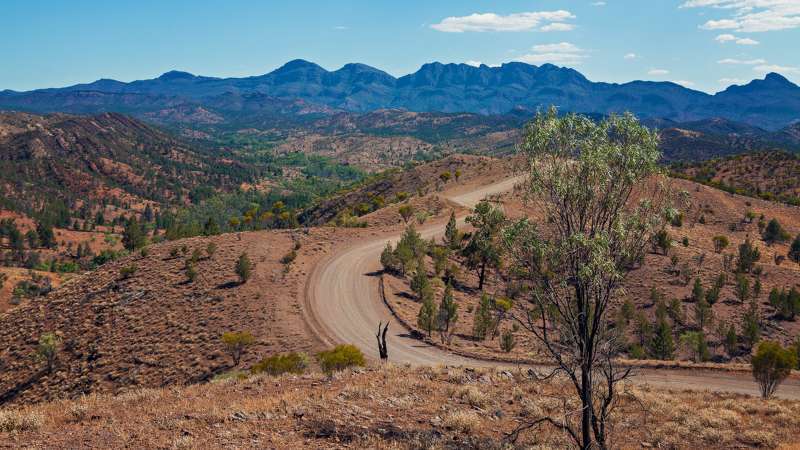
{"x":344,"y":306}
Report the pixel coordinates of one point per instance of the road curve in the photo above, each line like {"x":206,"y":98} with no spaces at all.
{"x":343,"y":305}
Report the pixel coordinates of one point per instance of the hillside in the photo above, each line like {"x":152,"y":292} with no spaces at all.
{"x":391,"y":407}
{"x":155,"y":327}
{"x":768,"y":175}
{"x":771,"y":103}
{"x":83,"y":162}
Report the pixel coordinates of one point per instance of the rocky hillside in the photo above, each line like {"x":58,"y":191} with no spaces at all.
{"x":109,"y":157}
{"x":769,"y":175}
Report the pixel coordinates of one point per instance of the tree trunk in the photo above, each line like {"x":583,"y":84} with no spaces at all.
{"x":482,"y":276}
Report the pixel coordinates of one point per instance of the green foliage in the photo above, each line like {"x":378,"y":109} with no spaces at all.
{"x":720,"y":243}
{"x":751,"y":325}
{"x":47,"y":349}
{"x":275,"y":365}
{"x":211,"y":249}
{"x":484,"y":249}
{"x":703,"y":313}
{"x":289,"y":257}
{"x":748,"y":256}
{"x":698,"y":293}
{"x":507,"y":341}
{"x":191,"y":271}
{"x":406,"y":212}
{"x":128,"y":271}
{"x":695,"y":341}
{"x":448,"y":314}
{"x":236,"y":342}
{"x":774,"y":232}
{"x":785,"y":302}
{"x":244,"y":268}
{"x":484,"y":318}
{"x":452,"y":237}
{"x":340,"y":358}
{"x":662,"y":346}
{"x":771,"y":365}
{"x":134,"y":236}
{"x":742,"y":288}
{"x":731,"y":341}
{"x":794,"y":250}
{"x":662,"y":241}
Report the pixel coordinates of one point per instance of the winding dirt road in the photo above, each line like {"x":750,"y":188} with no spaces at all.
{"x":343,"y":305}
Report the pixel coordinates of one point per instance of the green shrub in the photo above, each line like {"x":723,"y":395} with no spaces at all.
{"x":127,"y":271}
{"x":289,"y":257}
{"x":340,"y":358}
{"x":244,"y":268}
{"x":236,"y":342}
{"x":771,"y":365}
{"x":283,"y":363}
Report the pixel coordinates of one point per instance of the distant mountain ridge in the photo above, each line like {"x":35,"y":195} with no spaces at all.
{"x":771,"y":103}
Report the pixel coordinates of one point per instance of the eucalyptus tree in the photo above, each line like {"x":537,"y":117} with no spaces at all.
{"x":604,"y":197}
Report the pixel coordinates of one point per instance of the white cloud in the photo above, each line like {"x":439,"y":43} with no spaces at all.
{"x":561,"y":53}
{"x":746,"y":62}
{"x":747,"y":41}
{"x":751,"y":16}
{"x":558,"y":26}
{"x":766,"y":68}
{"x":658,"y":72}
{"x":526,"y":21}
{"x":631,"y":56}
{"x":725,"y":38}
{"x":729,"y":81}
{"x":598,"y":3}
{"x":341,"y":28}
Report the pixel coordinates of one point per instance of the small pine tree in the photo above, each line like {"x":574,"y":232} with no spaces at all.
{"x":698,"y":293}
{"x":426,"y":319}
{"x":420,"y":283}
{"x":244,"y":268}
{"x":483,"y":320}
{"x":191,"y":271}
{"x":748,"y":256}
{"x":451,"y":235}
{"x":507,"y":341}
{"x":703,"y":314}
{"x":794,"y":250}
{"x":448,"y":314}
{"x":134,"y":236}
{"x":751,"y":328}
{"x":47,"y":349}
{"x":662,"y":345}
{"x":731,"y":340}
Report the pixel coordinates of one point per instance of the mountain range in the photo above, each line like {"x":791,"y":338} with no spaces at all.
{"x":301,"y":88}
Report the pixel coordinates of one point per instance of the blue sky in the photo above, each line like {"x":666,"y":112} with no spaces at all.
{"x":703,"y":44}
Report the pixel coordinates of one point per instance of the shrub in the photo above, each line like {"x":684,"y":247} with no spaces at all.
{"x":47,"y":349}
{"x":191,"y":271}
{"x":244,"y":268}
{"x":127,"y":271}
{"x":774,"y":232}
{"x":211,"y":248}
{"x":289,"y":257}
{"x":720,"y":243}
{"x":236,"y":342}
{"x":771,"y":365}
{"x":283,"y":363}
{"x":340,"y":358}
{"x":794,"y":250}
{"x":748,"y":256}
{"x":406,"y":212}
{"x":507,"y":341}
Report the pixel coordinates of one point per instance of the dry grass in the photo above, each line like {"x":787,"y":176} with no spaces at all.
{"x":389,"y":407}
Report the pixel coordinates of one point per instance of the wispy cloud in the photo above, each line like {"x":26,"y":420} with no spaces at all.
{"x":341,"y":28}
{"x":598,"y":3}
{"x":631,"y":56}
{"x":725,"y":38}
{"x":751,"y":16}
{"x":746,"y":62}
{"x":561,"y":53}
{"x":526,"y":21}
{"x":658,"y":72}
{"x":729,"y":81}
{"x":767,"y":68}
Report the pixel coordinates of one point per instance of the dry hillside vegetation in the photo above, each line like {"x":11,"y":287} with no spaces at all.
{"x":139,"y":321}
{"x":390,"y":407}
{"x":709,"y":212}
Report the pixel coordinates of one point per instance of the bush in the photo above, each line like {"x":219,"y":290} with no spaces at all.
{"x":406,"y":212}
{"x":340,"y":358}
{"x":289,"y":257}
{"x":507,"y":341}
{"x":47,"y":349}
{"x":771,"y":365}
{"x":720,"y":243}
{"x":191,"y":271}
{"x":236,"y":342}
{"x":284,"y":363}
{"x":211,"y":248}
{"x":244,"y":268}
{"x":127,"y":271}
{"x":774,"y":232}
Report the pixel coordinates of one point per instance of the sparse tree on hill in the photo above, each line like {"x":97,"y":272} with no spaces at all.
{"x":406,"y":212}
{"x":427,"y":316}
{"x":742,"y":288}
{"x":774,"y":232}
{"x":751,"y":325}
{"x":771,"y":365}
{"x":484,"y":319}
{"x":662,"y":346}
{"x":211,"y":248}
{"x":583,"y":174}
{"x":483,"y":249}
{"x":731,"y":340}
{"x":244,"y":268}
{"x":663,"y":241}
{"x":236,"y":342}
{"x":507,"y":341}
{"x":452,"y":238}
{"x":703,"y":313}
{"x":47,"y":349}
{"x":748,"y":256}
{"x":448,"y":314}
{"x":133,"y":236}
{"x":720,"y":243}
{"x":695,"y":341}
{"x":794,"y":250}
